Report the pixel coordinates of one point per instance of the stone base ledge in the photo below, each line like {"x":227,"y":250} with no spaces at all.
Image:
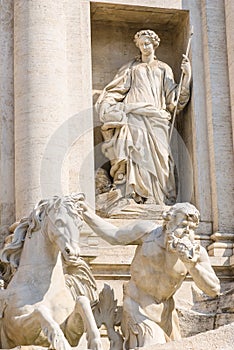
{"x":224,"y":261}
{"x":219,"y":339}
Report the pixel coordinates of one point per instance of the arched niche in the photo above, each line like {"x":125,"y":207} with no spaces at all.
{"x":112,"y":30}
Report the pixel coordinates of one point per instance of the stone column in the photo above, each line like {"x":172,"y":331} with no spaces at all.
{"x":229,"y":15}
{"x":80,"y":155}
{"x":7,"y":195}
{"x":40,"y":101}
{"x":219,"y":126}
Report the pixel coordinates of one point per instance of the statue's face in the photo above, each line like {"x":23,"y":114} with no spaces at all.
{"x":146,"y":46}
{"x":182,"y":225}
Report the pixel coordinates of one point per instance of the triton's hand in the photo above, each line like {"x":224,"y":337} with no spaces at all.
{"x":83,"y":205}
{"x":187,"y":251}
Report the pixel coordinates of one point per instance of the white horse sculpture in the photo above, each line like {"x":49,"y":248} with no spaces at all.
{"x":38,"y":308}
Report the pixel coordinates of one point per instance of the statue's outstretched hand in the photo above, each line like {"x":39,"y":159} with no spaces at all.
{"x":83,"y":205}
{"x":186,"y":66}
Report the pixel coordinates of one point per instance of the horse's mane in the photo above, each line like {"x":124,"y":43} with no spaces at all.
{"x":11,"y":252}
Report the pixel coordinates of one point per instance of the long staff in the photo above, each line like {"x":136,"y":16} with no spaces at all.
{"x":179,"y":87}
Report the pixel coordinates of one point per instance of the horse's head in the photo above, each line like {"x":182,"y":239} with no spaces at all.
{"x":63,"y":221}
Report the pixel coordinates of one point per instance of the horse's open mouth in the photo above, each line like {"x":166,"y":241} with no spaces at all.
{"x":70,"y":260}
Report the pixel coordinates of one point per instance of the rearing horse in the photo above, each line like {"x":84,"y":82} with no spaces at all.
{"x":38,"y":307}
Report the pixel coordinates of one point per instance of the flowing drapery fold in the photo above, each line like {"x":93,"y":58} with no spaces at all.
{"x":135,"y":109}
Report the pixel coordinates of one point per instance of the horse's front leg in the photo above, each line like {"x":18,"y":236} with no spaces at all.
{"x":50,"y":328}
{"x":80,"y":320}
{"x":34,"y":328}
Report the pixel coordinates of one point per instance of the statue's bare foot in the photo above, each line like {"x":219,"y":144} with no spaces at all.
{"x":138,"y":199}
{"x":150,"y":200}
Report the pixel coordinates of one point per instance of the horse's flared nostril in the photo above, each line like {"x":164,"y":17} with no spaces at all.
{"x":67,"y":250}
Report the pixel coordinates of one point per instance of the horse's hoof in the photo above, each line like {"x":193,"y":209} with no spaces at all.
{"x":95,"y":344}
{"x":56,"y":338}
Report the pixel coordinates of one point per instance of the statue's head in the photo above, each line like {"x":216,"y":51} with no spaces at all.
{"x":181,"y":219}
{"x":147,"y":34}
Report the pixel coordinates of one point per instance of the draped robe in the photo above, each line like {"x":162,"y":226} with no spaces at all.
{"x":135,"y":109}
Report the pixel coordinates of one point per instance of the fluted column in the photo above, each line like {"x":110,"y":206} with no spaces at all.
{"x":40,"y":101}
{"x":229,"y":16}
{"x":7,"y":193}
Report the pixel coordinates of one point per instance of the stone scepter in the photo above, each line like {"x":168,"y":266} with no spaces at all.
{"x":179,"y":86}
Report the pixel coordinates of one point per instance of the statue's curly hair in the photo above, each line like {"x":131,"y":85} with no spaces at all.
{"x":187,"y":208}
{"x":150,"y":34}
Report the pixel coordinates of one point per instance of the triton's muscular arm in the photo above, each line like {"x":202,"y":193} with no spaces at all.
{"x":203,"y":274}
{"x":130,"y":234}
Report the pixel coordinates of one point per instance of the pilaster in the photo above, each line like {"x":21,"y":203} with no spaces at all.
{"x":218,"y":103}
{"x":229,"y":16}
{"x":80,"y":154}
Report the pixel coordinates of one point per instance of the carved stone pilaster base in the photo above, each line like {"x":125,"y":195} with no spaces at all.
{"x":223,"y":244}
